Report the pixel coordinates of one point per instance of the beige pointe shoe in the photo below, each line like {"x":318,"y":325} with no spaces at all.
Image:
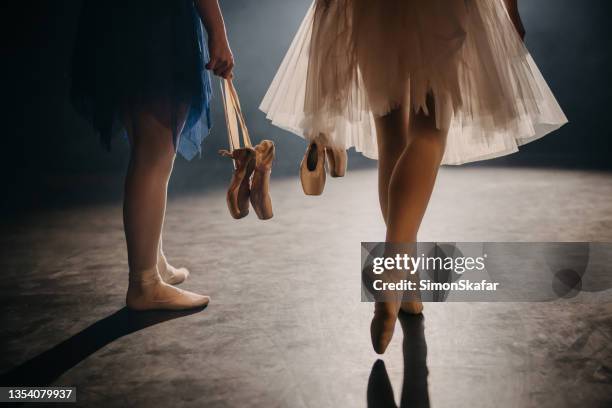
{"x":260,"y":184}
{"x":383,"y":325}
{"x":336,"y":161}
{"x":239,"y":189}
{"x":385,"y":317}
{"x":312,"y":169}
{"x":387,"y":307}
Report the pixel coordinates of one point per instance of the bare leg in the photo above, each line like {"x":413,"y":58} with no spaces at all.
{"x":392,"y":138}
{"x":151,"y":160}
{"x":413,"y":178}
{"x":409,"y":188}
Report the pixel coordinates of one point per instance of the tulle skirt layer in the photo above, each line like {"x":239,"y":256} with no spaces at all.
{"x":143,"y":53}
{"x":352,"y":60}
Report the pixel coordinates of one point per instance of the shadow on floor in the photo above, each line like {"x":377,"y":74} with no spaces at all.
{"x":415,"y":391}
{"x":48,"y":366}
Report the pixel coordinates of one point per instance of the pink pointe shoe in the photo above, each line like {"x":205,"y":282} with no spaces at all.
{"x":239,"y":189}
{"x":336,"y":161}
{"x":260,"y":184}
{"x":385,"y":317}
{"x":312,"y":169}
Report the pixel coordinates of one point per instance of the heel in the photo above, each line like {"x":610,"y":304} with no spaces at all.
{"x":337,"y":160}
{"x":383,"y":325}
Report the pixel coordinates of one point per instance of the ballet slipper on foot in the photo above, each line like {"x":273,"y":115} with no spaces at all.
{"x":239,"y":189}
{"x":383,"y":325}
{"x":336,"y":161}
{"x":260,"y":184}
{"x":149,"y":292}
{"x":170,"y":274}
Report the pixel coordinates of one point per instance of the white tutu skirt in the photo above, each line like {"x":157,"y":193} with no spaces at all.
{"x":352,"y":60}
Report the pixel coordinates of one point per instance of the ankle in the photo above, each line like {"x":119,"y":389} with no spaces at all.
{"x":162,"y":263}
{"x":387,"y":309}
{"x":144,"y":278}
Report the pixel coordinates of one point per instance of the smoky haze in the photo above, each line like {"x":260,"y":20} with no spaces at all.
{"x":53,"y":152}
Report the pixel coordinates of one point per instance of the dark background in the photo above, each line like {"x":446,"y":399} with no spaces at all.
{"x":52,"y":158}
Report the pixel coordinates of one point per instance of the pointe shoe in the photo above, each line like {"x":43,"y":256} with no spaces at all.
{"x":260,"y":184}
{"x":239,"y":190}
{"x":336,"y":161}
{"x":386,"y":309}
{"x":383,"y":325}
{"x":312,"y":169}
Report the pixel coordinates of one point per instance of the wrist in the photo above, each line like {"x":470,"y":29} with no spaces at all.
{"x":217,"y":34}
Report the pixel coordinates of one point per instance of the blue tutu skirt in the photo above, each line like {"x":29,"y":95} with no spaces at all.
{"x":131,"y":53}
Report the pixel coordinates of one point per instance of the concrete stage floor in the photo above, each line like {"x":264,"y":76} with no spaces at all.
{"x":286,"y":327}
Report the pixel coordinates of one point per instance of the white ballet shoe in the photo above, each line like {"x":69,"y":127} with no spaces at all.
{"x":149,"y":292}
{"x":170,"y":274}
